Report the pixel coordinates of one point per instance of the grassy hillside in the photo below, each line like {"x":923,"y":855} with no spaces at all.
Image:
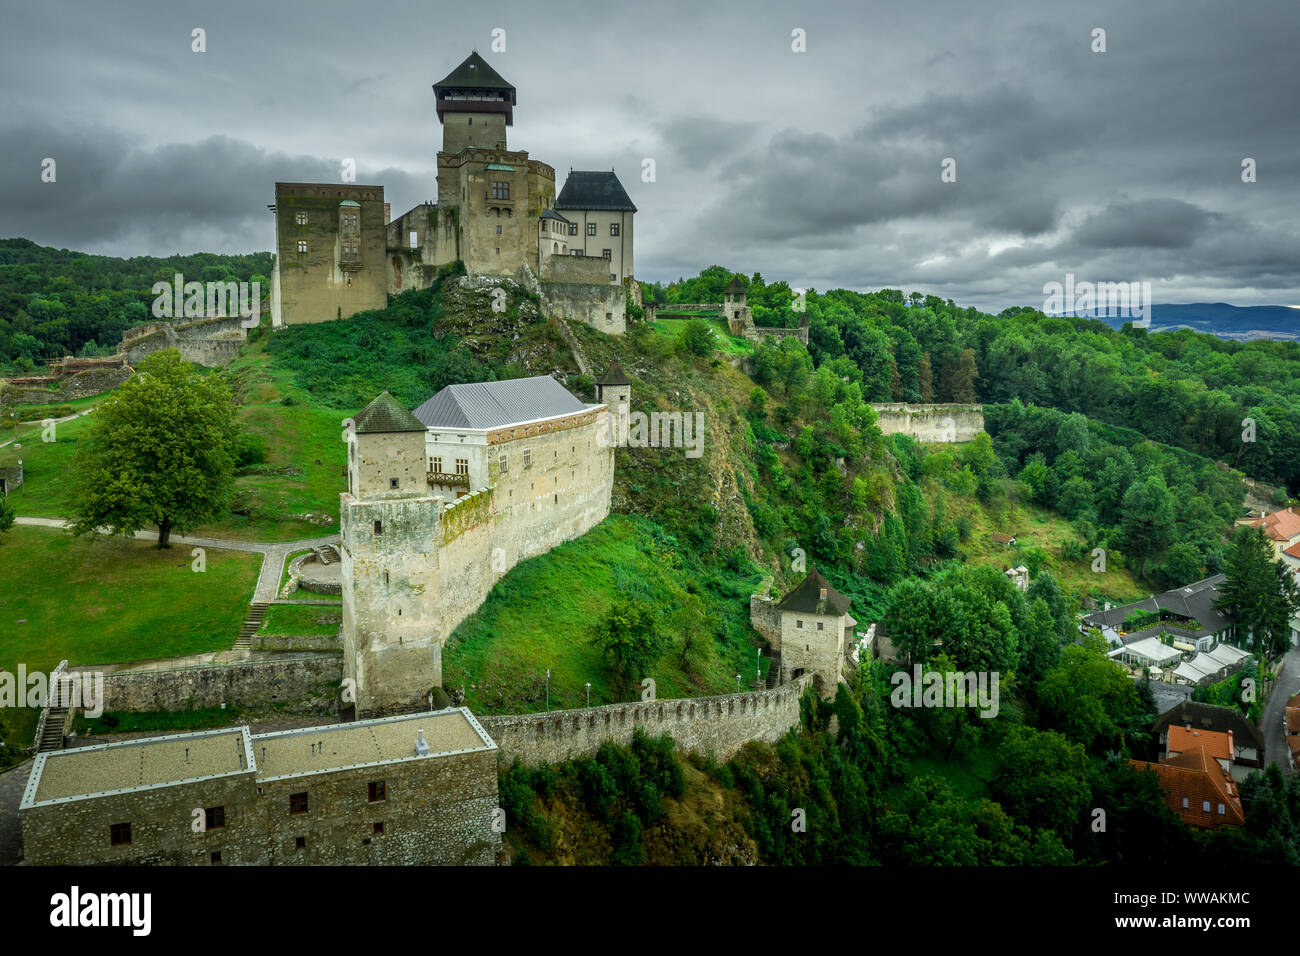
{"x":540,"y":616}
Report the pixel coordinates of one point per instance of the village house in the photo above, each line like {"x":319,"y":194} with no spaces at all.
{"x":1198,"y":788}
{"x":1190,"y":715}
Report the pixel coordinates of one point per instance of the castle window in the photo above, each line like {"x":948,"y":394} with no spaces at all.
{"x":573,"y":228}
{"x":215,"y":817}
{"x":377,"y":791}
{"x":503,"y":464}
{"x":528,"y":458}
{"x":609,"y":318}
{"x":385,"y":577}
{"x":591,"y":228}
{"x":414,"y":240}
{"x":216,"y":858}
{"x":612,"y":277}
{"x":435,"y":465}
{"x":498,"y":230}
{"x":613,"y":229}
{"x":379,"y":527}
{"x":300,"y":843}
{"x":392,"y":482}
{"x":577,"y":252}
{"x":607,"y":253}
{"x":500,"y":189}
{"x":301,"y":219}
{"x":462,"y":466}
{"x":820,"y":626}
{"x":119,"y":834}
{"x":798,"y":624}
{"x":379,"y":826}
{"x":302,"y":245}
{"x":298,"y":803}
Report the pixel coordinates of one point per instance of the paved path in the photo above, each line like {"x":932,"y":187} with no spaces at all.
{"x":57,"y":421}
{"x":12,"y":784}
{"x":1287,"y":683}
{"x":273,"y":552}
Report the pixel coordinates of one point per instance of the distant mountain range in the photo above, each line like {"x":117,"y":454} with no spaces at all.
{"x":1226,"y":321}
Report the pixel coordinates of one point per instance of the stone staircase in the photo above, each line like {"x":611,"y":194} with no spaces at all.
{"x":328,"y":554}
{"x":251,"y":625}
{"x":52,"y":734}
{"x":773,"y":669}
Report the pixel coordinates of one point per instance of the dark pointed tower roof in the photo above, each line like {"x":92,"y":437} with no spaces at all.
{"x":613,"y":376}
{"x":735,"y":286}
{"x":475,"y":77}
{"x":807,"y":597}
{"x":385,"y":414}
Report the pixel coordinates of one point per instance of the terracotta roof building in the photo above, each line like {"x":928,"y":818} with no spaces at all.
{"x":1198,"y":789}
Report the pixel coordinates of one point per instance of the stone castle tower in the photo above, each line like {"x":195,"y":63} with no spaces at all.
{"x":388,"y":524}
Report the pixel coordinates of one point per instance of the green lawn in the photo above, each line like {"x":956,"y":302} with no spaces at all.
{"x":724,"y":341}
{"x":269,"y":501}
{"x":302,"y":620}
{"x":98,"y":602}
{"x":540,"y":616}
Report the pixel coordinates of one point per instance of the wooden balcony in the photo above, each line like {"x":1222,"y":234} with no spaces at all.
{"x":446,"y":478}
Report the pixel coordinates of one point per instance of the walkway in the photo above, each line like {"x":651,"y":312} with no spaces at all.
{"x":273,"y":552}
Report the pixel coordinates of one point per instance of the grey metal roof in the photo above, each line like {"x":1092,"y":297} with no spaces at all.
{"x":594,"y":189}
{"x":494,"y":404}
{"x":552,"y":214}
{"x":1195,"y":601}
{"x":1211,"y":717}
{"x":613,"y":376}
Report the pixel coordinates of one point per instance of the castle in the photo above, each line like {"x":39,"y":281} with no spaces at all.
{"x":338,"y":251}
{"x":442,"y":502}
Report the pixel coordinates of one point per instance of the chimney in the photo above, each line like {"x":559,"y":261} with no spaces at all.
{"x":1232,"y":750}
{"x":421,"y":745}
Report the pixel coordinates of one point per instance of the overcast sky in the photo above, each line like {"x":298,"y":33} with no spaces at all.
{"x":821,"y":168}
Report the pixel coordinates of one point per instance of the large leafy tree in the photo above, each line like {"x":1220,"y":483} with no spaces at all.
{"x":628,"y":635}
{"x":1261,"y":591}
{"x":1088,"y":697}
{"x":160,"y":452}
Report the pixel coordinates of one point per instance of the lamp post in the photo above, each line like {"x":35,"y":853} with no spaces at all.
{"x":758,"y":667}
{"x":588,"y":685}
{"x":548,"y":688}
{"x":737,"y":682}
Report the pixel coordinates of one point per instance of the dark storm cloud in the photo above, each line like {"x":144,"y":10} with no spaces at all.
{"x":1158,"y":223}
{"x":821,"y":167}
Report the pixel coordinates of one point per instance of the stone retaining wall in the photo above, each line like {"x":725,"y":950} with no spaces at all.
{"x":717,"y":725}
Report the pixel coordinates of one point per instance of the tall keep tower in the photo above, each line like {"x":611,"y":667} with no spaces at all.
{"x":475,"y":105}
{"x":388,"y":521}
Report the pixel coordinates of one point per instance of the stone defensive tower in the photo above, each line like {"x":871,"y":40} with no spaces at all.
{"x":388,"y":526}
{"x":475,"y":105}
{"x":735,"y":308}
{"x":614,"y":390}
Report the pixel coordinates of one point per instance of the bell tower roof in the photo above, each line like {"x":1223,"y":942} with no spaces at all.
{"x":474,"y":87}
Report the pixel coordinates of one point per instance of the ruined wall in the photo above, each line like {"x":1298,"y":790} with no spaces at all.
{"x":931,"y":423}
{"x":603,"y":306}
{"x":78,"y":385}
{"x":765,"y":618}
{"x":303,"y":683}
{"x":210,"y":342}
{"x":717,"y":725}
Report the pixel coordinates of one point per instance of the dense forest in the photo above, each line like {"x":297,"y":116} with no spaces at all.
{"x":1182,"y":388}
{"x":54,"y":302}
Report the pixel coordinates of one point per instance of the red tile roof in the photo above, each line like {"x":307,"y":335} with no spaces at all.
{"x":1294,"y":550}
{"x":1216,"y":744}
{"x":1280,"y":525}
{"x":1196,"y":777}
